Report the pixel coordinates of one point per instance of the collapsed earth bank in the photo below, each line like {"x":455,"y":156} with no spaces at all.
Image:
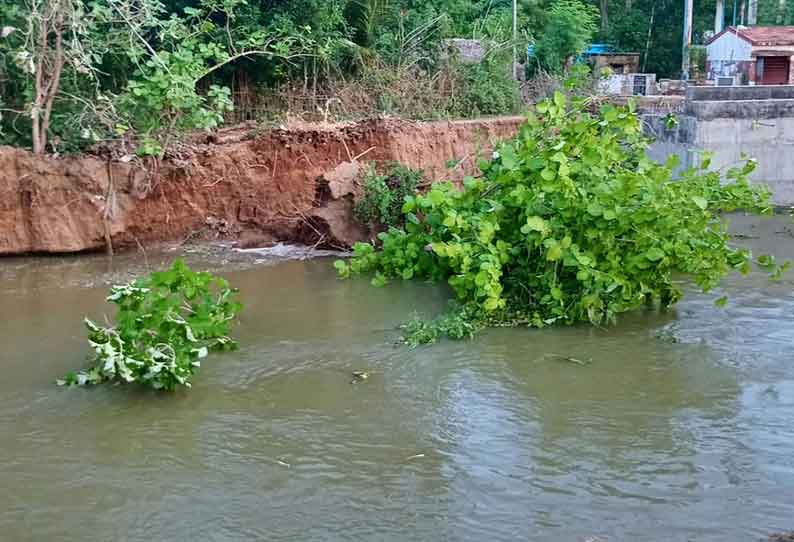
{"x":246,"y":185}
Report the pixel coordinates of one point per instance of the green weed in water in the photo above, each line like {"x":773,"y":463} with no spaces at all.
{"x":166,"y":324}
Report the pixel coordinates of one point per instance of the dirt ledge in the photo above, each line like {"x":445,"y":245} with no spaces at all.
{"x":256,"y":189}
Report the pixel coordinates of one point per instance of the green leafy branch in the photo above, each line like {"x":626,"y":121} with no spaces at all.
{"x":167,"y":323}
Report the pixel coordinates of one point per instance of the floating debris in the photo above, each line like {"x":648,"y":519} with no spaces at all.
{"x":359,"y":376}
{"x":280,"y":462}
{"x":569,"y":359}
{"x":667,"y":335}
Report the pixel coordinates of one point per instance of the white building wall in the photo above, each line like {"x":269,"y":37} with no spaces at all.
{"x":728,"y":48}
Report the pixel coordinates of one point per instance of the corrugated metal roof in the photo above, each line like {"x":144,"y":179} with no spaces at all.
{"x":761,"y":35}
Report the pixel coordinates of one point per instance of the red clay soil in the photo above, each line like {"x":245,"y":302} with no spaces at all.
{"x":256,"y":189}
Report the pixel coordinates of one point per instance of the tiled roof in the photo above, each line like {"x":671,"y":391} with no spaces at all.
{"x":761,"y":35}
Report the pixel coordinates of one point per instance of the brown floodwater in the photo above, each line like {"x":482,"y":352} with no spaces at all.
{"x":681,"y":427}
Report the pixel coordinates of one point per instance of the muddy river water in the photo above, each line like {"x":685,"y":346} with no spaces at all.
{"x":681,"y":428}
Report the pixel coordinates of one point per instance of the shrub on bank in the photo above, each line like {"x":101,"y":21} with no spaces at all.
{"x":381,"y":203}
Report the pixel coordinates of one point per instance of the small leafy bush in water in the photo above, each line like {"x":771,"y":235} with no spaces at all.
{"x":166,"y":324}
{"x":381,"y":204}
{"x":570,"y":222}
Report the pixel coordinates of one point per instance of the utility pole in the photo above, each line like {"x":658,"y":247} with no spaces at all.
{"x":687,"y":40}
{"x":719,"y":16}
{"x":515,"y":39}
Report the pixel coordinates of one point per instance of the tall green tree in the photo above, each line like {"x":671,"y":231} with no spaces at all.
{"x":569,"y":29}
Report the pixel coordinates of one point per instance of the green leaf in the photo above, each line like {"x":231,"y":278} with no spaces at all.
{"x":436,"y":197}
{"x":491,"y":304}
{"x":536,"y":223}
{"x":721,"y":302}
{"x":508,"y":156}
{"x":583,"y":259}
{"x":594,"y":209}
{"x":559,"y":99}
{"x":673,"y":161}
{"x":700,"y":202}
{"x":559,"y":157}
{"x":766,"y":261}
{"x":536,"y":164}
{"x":654,"y":254}
{"x":554,"y":253}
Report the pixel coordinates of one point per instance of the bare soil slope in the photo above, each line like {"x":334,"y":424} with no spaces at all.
{"x":259,"y":187}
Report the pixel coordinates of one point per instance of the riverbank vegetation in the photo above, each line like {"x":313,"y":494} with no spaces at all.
{"x":570,"y":222}
{"x":139,"y":76}
{"x":166,"y":324}
{"x":75,"y":73}
{"x":380,"y":205}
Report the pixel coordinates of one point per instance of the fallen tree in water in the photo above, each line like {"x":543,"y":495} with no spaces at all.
{"x":570,"y":222}
{"x":166,"y":324}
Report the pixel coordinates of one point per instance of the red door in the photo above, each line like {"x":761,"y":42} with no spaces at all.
{"x":775,"y":70}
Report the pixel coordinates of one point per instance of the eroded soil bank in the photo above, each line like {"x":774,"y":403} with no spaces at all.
{"x":251,"y":186}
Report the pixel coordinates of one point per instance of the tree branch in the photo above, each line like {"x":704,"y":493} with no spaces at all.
{"x":254,"y":52}
{"x":134,"y":30}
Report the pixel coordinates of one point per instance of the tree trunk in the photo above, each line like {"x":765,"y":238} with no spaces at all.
{"x":648,"y":40}
{"x":604,"y":8}
{"x":55,"y":79}
{"x":38,"y":102}
{"x":50,"y":59}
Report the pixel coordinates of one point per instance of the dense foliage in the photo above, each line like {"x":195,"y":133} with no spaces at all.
{"x":75,"y":73}
{"x":166,"y":324}
{"x":383,"y":195}
{"x":83,"y":71}
{"x":570,"y":222}
{"x":569,"y":29}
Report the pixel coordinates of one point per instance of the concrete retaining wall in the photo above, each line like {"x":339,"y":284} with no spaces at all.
{"x":769,"y":140}
{"x":756,"y":92}
{"x":734,"y":123}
